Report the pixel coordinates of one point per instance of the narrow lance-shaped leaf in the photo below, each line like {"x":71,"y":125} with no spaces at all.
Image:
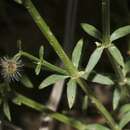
{"x":85,"y":103}
{"x":116,"y":54}
{"x":26,"y":81}
{"x":16,"y":101}
{"x":121,"y":32}
{"x":102,"y":79}
{"x":124,"y":70}
{"x":127,"y":65}
{"x":71,"y":92}
{"x":39,"y":65}
{"x":96,"y":127}
{"x":51,"y":80}
{"x":116,"y":98}
{"x":128,"y":81}
{"x":77,"y":53}
{"x":124,"y":120}
{"x":124,"y":109}
{"x":94,"y":58}
{"x":6,"y":110}
{"x":41,"y":52}
{"x":38,"y":68}
{"x":92,"y":31}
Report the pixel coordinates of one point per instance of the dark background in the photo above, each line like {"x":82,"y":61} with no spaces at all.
{"x":16,"y":23}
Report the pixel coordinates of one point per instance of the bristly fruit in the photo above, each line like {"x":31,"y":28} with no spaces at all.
{"x":10,"y":68}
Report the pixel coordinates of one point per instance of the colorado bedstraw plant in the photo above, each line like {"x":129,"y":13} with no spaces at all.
{"x":71,"y":71}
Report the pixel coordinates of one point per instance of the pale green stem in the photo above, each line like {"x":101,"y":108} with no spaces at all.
{"x":106,"y":38}
{"x":50,"y":37}
{"x":98,"y":105}
{"x":55,"y":115}
{"x":106,"y":21}
{"x":44,"y":63}
{"x":118,"y":71}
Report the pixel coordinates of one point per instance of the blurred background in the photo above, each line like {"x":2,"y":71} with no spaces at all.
{"x":64,"y":18}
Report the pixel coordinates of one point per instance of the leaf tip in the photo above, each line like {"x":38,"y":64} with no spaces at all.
{"x":19,"y":1}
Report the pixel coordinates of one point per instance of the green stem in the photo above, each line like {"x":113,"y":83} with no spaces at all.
{"x":54,"y":68}
{"x":103,"y":111}
{"x":44,"y":63}
{"x":106,"y":21}
{"x":118,"y":71}
{"x":98,"y":105}
{"x":106,"y":38}
{"x":60,"y":52}
{"x":55,"y":115}
{"x":50,"y":36}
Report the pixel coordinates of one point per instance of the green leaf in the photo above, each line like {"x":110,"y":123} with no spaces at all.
{"x":124,"y":109}
{"x":92,"y":31}
{"x":6,"y":110}
{"x":96,"y":127}
{"x":102,"y":79}
{"x":26,"y":81}
{"x":77,"y":53}
{"x":94,"y":58}
{"x":116,"y":98}
{"x":39,"y":64}
{"x":127,"y":65}
{"x":124,"y":120}
{"x":51,"y":80}
{"x":38,"y":68}
{"x":41,"y":52}
{"x":71,"y":92}
{"x":85,"y":103}
{"x":17,"y":101}
{"x":128,"y":81}
{"x":116,"y":54}
{"x":19,"y":1}
{"x":121,"y":32}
